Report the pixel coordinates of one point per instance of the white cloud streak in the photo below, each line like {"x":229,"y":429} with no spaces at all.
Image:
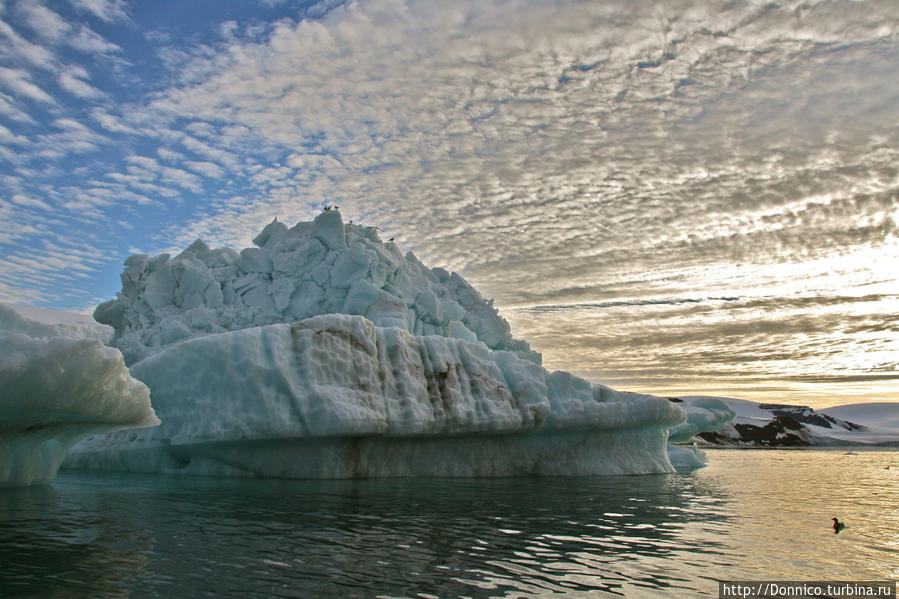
{"x":17,"y":48}
{"x":73,"y":83}
{"x":105,"y":10}
{"x":19,"y":82}
{"x":90,"y":42}
{"x":45,"y":22}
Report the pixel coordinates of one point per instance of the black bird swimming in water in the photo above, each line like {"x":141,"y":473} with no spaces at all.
{"x":837,"y":526}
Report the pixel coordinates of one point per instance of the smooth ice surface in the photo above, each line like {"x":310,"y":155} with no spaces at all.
{"x":58,"y":385}
{"x":882,"y":417}
{"x":687,"y":458}
{"x":323,"y":352}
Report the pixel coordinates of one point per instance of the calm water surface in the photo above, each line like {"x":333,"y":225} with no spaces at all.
{"x":749,"y":515}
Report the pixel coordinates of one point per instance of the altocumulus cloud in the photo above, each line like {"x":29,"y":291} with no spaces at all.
{"x":627,"y":164}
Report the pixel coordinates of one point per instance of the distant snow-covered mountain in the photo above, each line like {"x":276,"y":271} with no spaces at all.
{"x":781,"y":425}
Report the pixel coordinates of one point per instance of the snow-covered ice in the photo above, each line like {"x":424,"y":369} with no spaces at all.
{"x":880,"y":418}
{"x":323,"y":352}
{"x":59,"y":384}
{"x":777,"y":425}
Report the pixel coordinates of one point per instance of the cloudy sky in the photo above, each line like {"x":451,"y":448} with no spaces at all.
{"x":673,"y":197}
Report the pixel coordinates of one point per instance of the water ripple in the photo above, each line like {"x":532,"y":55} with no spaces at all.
{"x":749,"y":515}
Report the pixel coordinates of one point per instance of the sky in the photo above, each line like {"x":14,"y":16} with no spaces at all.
{"x":668,"y":197}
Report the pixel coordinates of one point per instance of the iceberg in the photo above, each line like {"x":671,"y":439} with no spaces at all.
{"x":704,"y":415}
{"x":323,"y":352}
{"x":59,"y":384}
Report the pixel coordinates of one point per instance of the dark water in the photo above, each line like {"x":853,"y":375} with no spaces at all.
{"x":751,"y":514}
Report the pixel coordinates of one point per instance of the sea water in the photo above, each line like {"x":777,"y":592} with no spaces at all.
{"x":749,"y":515}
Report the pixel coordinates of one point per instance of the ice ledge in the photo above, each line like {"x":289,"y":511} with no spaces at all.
{"x":378,"y":401}
{"x":560,"y":453}
{"x":56,"y":388}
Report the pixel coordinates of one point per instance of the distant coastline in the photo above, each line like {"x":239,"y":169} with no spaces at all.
{"x":783,"y":426}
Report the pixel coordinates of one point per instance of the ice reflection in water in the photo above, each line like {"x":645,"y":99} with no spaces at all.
{"x":750,"y":515}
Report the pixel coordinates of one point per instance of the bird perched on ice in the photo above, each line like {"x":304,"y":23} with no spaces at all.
{"x":837,"y":526}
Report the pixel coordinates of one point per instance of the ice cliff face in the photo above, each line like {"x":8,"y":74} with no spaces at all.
{"x":323,"y":352}
{"x":59,"y":384}
{"x":333,"y":396}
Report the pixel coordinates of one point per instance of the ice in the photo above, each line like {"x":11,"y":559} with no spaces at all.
{"x":59,"y":384}
{"x":329,"y":228}
{"x":704,"y":414}
{"x":336,"y":396}
{"x":321,"y":267}
{"x":332,"y":355}
{"x":41,"y":322}
{"x":687,"y":458}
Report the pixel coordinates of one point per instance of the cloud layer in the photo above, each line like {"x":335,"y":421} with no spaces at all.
{"x":670,"y":197}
